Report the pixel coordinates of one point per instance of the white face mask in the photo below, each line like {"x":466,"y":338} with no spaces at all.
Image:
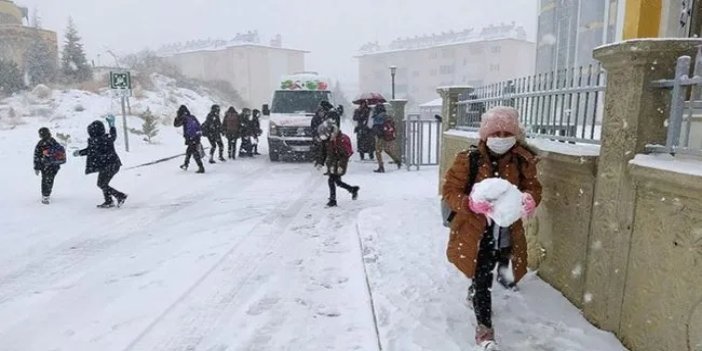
{"x":501,"y":145}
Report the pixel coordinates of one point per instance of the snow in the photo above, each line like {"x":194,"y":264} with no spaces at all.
{"x":244,"y":257}
{"x":433,"y":103}
{"x":472,"y":135}
{"x":669,"y":163}
{"x":505,"y":198}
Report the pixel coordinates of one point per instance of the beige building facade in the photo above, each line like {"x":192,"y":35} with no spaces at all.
{"x":252,"y":69}
{"x":16,"y":38}
{"x":466,"y":58}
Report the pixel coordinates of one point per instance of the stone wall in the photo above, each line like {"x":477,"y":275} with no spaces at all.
{"x":619,"y":238}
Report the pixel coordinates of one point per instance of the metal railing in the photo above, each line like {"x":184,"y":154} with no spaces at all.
{"x":566,"y":105}
{"x":685,"y":109}
{"x":422,"y":144}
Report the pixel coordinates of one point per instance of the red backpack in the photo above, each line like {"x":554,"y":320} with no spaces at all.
{"x":345,"y":145}
{"x":389,"y":132}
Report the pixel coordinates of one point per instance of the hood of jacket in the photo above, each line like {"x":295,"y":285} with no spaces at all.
{"x":96,"y":129}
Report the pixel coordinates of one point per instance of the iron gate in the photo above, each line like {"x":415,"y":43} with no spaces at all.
{"x":422,"y":141}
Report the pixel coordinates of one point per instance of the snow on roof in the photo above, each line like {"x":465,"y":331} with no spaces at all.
{"x":490,"y":33}
{"x":433,"y":103}
{"x":669,"y":163}
{"x":249,"y":40}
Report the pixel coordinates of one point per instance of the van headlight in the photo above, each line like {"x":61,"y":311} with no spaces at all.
{"x":273,"y":130}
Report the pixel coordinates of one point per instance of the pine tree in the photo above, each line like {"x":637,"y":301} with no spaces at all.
{"x":10,"y":77}
{"x":149,"y":129}
{"x":40,"y":63}
{"x":74,"y":64}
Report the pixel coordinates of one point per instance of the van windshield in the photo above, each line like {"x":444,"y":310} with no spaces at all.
{"x":299,"y":101}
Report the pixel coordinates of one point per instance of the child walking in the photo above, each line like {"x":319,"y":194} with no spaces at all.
{"x":49,"y":155}
{"x":335,"y":153}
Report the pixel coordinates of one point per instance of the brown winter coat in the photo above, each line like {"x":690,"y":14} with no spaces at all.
{"x":230,"y":124}
{"x":518,"y":166}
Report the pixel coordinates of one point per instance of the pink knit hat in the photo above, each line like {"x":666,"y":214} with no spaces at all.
{"x":500,"y":119}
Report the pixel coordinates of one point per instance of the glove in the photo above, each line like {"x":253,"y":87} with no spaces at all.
{"x":528,"y":205}
{"x":480,"y":207}
{"x":76,"y":153}
{"x":110,"y":120}
{"x":36,"y":171}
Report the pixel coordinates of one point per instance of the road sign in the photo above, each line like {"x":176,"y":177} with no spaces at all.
{"x":120,"y":80}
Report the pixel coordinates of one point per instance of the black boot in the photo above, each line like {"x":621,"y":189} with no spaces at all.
{"x":331,"y":203}
{"x":106,"y":204}
{"x":121,"y":200}
{"x":354,"y":193}
{"x":184,"y":166}
{"x":380,"y":169}
{"x":212,"y":161}
{"x":201,"y":170}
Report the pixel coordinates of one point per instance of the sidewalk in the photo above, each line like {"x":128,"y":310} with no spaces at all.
{"x":420,"y":297}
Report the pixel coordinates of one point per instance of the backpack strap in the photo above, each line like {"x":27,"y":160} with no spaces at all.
{"x":474,"y":161}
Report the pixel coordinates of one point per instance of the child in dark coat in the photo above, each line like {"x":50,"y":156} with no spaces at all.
{"x":192,"y":133}
{"x":103,"y":160}
{"x":48,"y":157}
{"x":335,"y":153}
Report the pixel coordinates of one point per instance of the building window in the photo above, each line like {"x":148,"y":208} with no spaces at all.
{"x":495,"y":68}
{"x":496,"y":49}
{"x":447,"y":69}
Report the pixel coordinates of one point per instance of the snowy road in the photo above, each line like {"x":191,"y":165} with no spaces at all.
{"x":247,"y":258}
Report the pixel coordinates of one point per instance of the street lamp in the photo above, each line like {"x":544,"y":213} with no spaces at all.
{"x":393,"y":71}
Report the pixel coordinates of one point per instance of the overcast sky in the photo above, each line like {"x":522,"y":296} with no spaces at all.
{"x":332,"y":30}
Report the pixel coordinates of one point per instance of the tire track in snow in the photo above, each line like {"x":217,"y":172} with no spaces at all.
{"x":64,"y":259}
{"x":196,"y":327}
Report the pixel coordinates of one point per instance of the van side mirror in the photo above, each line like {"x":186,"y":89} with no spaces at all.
{"x":266,"y":110}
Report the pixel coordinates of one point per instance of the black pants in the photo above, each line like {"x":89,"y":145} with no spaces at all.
{"x":193,"y":150}
{"x":334,"y":181}
{"x":488,"y":257}
{"x":104,"y":178}
{"x":216,"y":141}
{"x":231,"y":146}
{"x":246,"y":146}
{"x":47,"y":179}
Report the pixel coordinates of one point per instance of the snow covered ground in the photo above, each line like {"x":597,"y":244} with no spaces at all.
{"x":245,"y":257}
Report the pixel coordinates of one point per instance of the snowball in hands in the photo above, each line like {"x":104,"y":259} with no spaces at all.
{"x":506,"y":200}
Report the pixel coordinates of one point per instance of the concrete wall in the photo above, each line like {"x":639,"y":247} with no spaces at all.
{"x":16,"y":40}
{"x":621,"y":237}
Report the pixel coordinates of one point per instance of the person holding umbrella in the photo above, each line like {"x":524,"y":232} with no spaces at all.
{"x":364,"y":136}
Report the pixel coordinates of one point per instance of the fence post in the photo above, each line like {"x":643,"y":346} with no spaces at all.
{"x":449,"y":107}
{"x":634,"y":116}
{"x":449,"y":115}
{"x":398,"y":115}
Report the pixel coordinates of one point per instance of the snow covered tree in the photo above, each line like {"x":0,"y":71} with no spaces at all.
{"x":41,"y":65}
{"x":149,"y":129}
{"x":11,"y":80}
{"x":74,"y":64}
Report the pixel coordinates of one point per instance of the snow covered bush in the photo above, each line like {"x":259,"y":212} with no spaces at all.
{"x":41,"y":91}
{"x":149,"y":129}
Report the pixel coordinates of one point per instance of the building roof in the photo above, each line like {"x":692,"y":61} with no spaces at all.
{"x":491,"y":33}
{"x":433,"y":103}
{"x":248,"y":40}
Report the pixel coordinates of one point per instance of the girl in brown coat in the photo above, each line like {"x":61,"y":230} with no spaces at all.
{"x":476,"y":244}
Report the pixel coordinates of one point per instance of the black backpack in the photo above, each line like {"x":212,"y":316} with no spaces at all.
{"x":474,"y":164}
